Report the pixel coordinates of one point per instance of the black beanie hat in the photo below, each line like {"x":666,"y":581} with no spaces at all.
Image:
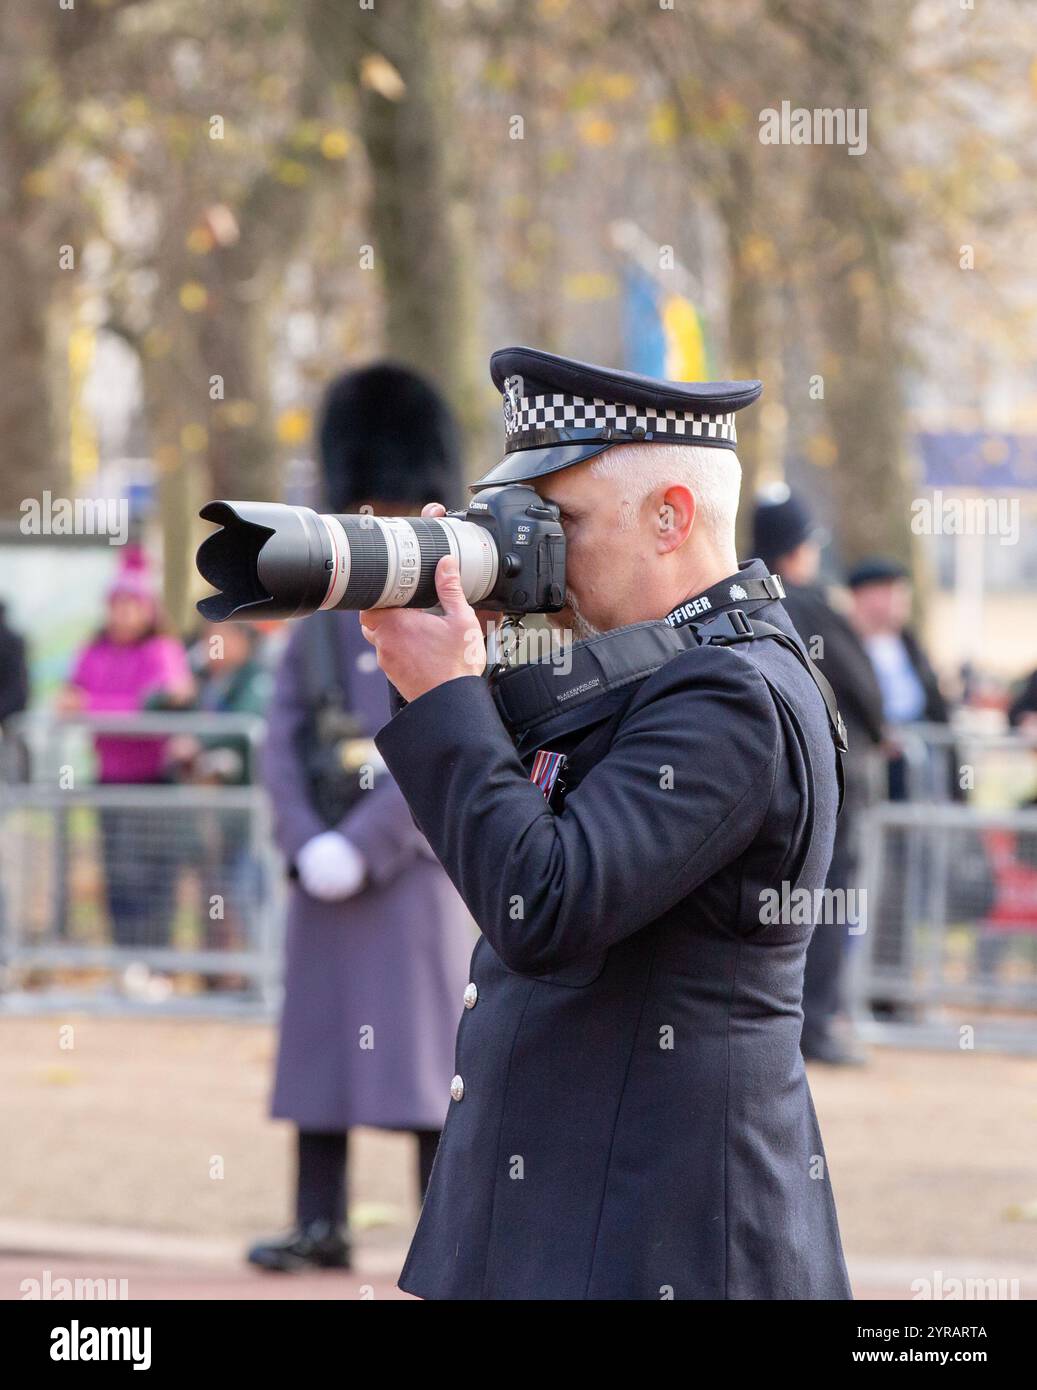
{"x":781,"y":522}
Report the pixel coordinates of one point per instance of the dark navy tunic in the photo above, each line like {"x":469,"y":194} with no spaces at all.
{"x":630,"y":1116}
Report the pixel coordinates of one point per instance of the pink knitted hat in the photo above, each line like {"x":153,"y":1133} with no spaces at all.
{"x":134,"y":577}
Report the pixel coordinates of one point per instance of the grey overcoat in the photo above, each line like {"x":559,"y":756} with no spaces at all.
{"x":373,"y":985}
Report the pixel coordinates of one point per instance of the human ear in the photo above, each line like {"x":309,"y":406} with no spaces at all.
{"x":676,"y":516}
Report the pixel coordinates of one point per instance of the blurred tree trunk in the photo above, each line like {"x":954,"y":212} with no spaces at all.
{"x":850,"y":57}
{"x":240,"y":274}
{"x":178,"y":454}
{"x":27,"y":274}
{"x":30,"y":462}
{"x":210,"y":406}
{"x":863,"y":361}
{"x":417,"y":232}
{"x":738,"y":207}
{"x":46,"y":63}
{"x":233,"y":342}
{"x":203,"y":445}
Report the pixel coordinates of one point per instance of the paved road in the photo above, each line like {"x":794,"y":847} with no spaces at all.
{"x":185,"y":1281}
{"x":34,"y":1257}
{"x":145,"y":1152}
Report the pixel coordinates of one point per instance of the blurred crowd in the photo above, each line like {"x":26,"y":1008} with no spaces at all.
{"x":860,"y":634}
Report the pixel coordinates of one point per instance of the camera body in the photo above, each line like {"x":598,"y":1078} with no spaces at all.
{"x":530,"y":545}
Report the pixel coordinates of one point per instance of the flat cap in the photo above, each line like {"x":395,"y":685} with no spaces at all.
{"x":558,"y":411}
{"x":877,"y":569}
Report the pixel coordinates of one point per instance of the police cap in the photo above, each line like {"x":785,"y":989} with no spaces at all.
{"x":558,"y":412}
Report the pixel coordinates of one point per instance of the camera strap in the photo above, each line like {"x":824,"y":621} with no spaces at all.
{"x":536,"y":703}
{"x":322,"y":676}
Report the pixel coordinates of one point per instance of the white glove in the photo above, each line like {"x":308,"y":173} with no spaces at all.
{"x":330,"y":868}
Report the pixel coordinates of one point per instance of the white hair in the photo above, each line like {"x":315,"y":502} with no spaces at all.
{"x":713,"y":475}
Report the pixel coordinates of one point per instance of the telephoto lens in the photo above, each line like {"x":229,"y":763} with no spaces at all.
{"x":274,"y":561}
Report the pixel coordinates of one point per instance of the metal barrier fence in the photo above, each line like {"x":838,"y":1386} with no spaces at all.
{"x":942,"y":762}
{"x":950,"y":873}
{"x":119,"y":897}
{"x":100,"y":884}
{"x":951,"y":937}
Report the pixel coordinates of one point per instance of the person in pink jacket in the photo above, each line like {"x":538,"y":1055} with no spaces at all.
{"x":129,"y":665}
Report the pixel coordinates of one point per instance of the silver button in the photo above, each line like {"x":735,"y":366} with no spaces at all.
{"x":471,"y":996}
{"x":457,"y":1088}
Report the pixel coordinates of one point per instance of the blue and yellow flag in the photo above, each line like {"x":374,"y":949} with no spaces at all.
{"x":662,"y":331}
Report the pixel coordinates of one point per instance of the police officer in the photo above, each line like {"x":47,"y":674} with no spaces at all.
{"x":630,"y":1118}
{"x":787,"y":540}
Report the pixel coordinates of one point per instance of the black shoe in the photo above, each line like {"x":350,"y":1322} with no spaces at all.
{"x":320,"y":1245}
{"x":894,"y":1011}
{"x":832,"y":1052}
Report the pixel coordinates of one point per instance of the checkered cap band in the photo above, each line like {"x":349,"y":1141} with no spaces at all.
{"x":532,"y":414}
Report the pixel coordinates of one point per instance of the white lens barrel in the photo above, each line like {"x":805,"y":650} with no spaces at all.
{"x":476,"y":556}
{"x":340,"y":560}
{"x":471,"y":545}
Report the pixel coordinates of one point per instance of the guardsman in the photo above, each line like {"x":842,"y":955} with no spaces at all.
{"x":377,"y":938}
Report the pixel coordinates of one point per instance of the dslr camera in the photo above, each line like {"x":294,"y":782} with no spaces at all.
{"x":274,"y":561}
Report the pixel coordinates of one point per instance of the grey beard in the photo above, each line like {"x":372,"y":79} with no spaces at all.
{"x":581,"y":628}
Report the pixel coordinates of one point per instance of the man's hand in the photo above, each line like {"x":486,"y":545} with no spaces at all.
{"x":486,"y":616}
{"x":419,"y":650}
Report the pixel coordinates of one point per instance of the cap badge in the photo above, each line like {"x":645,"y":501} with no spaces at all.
{"x":512,"y":397}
